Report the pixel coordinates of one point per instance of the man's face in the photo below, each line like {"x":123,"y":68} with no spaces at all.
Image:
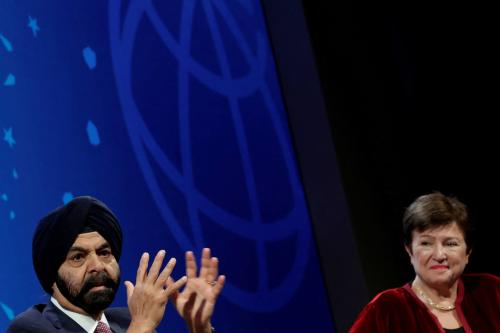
{"x":89,"y":277}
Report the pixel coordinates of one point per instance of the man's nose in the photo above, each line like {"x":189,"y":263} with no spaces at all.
{"x":94,"y":263}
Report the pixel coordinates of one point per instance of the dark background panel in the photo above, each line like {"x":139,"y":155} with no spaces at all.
{"x":317,"y":160}
{"x":410,"y":93}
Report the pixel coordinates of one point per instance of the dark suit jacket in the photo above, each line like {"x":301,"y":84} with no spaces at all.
{"x":47,"y":318}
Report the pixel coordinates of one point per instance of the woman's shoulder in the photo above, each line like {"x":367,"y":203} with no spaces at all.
{"x":390,"y":297}
{"x":386,"y":311}
{"x":481,"y":295}
{"x":480,"y":280}
{"x":481,"y":288}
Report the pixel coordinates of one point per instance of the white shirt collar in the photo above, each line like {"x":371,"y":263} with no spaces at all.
{"x":86,"y":322}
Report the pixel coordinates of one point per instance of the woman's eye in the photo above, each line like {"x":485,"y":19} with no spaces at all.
{"x":452,"y":244}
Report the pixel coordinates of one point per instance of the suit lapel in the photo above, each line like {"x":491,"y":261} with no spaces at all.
{"x":115,"y":327}
{"x":60,"y":320}
{"x":118,"y":320}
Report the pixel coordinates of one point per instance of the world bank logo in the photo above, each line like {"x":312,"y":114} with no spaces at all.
{"x":213,"y":105}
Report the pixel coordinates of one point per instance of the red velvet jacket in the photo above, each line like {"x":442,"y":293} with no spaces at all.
{"x":399,"y":310}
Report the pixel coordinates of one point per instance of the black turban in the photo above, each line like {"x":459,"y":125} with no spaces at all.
{"x":56,"y":233}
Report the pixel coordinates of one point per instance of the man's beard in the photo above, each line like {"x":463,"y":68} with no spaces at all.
{"x":92,"y":302}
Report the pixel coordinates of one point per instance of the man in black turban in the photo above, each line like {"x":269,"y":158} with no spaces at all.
{"x":76,"y":249}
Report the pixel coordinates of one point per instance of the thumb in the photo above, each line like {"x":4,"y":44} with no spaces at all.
{"x":174,"y":294}
{"x":130,"y":289}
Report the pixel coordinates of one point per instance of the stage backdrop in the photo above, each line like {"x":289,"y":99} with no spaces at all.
{"x":171,"y":113}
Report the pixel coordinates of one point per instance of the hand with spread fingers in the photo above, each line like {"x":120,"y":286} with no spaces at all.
{"x":148,"y":298}
{"x":196,"y":302}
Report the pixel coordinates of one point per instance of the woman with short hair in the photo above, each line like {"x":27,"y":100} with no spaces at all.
{"x":441,"y":298}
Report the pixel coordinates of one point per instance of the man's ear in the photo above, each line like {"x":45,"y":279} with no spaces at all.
{"x":54,"y":288}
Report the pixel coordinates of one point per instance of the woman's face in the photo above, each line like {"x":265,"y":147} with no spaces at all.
{"x":439,"y":255}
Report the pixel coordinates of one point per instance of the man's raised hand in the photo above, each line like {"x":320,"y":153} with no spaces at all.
{"x":148,"y":298}
{"x":196,"y":302}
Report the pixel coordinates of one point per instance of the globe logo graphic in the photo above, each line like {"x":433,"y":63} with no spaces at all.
{"x":125,"y":20}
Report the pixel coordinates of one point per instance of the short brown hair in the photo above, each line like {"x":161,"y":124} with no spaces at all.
{"x":434,"y":210}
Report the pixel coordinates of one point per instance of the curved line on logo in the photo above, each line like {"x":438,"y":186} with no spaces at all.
{"x":265,"y":299}
{"x":242,"y":142}
{"x":271,"y":106}
{"x":121,"y":53}
{"x":235,"y":30}
{"x":185,"y":133}
{"x":136,"y":128}
{"x":240,"y":87}
{"x":272,"y":299}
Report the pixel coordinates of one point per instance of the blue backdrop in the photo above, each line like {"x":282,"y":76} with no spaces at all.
{"x":171,"y":113}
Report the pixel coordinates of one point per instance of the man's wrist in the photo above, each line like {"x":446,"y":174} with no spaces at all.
{"x":138,"y":327}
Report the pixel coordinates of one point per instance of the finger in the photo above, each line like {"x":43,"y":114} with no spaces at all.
{"x":205,"y":263}
{"x":201,"y":288}
{"x":213,"y":270}
{"x":174,"y":287}
{"x":155,"y":267}
{"x":173,"y":296}
{"x":210,"y":293}
{"x":167,"y":271}
{"x":221,"y":280}
{"x":190,"y":265}
{"x":208,"y":310}
{"x":143,"y":266}
{"x":130,"y":289}
{"x":188,"y":308}
{"x":169,"y":282}
{"x":200,"y":312}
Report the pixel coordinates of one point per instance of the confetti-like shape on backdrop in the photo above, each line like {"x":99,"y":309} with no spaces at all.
{"x":90,"y":57}
{"x":10,"y":80}
{"x":67,"y":197}
{"x":93,"y":134}
{"x":8,"y":137}
{"x":33,"y":25}
{"x":6,"y":43}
